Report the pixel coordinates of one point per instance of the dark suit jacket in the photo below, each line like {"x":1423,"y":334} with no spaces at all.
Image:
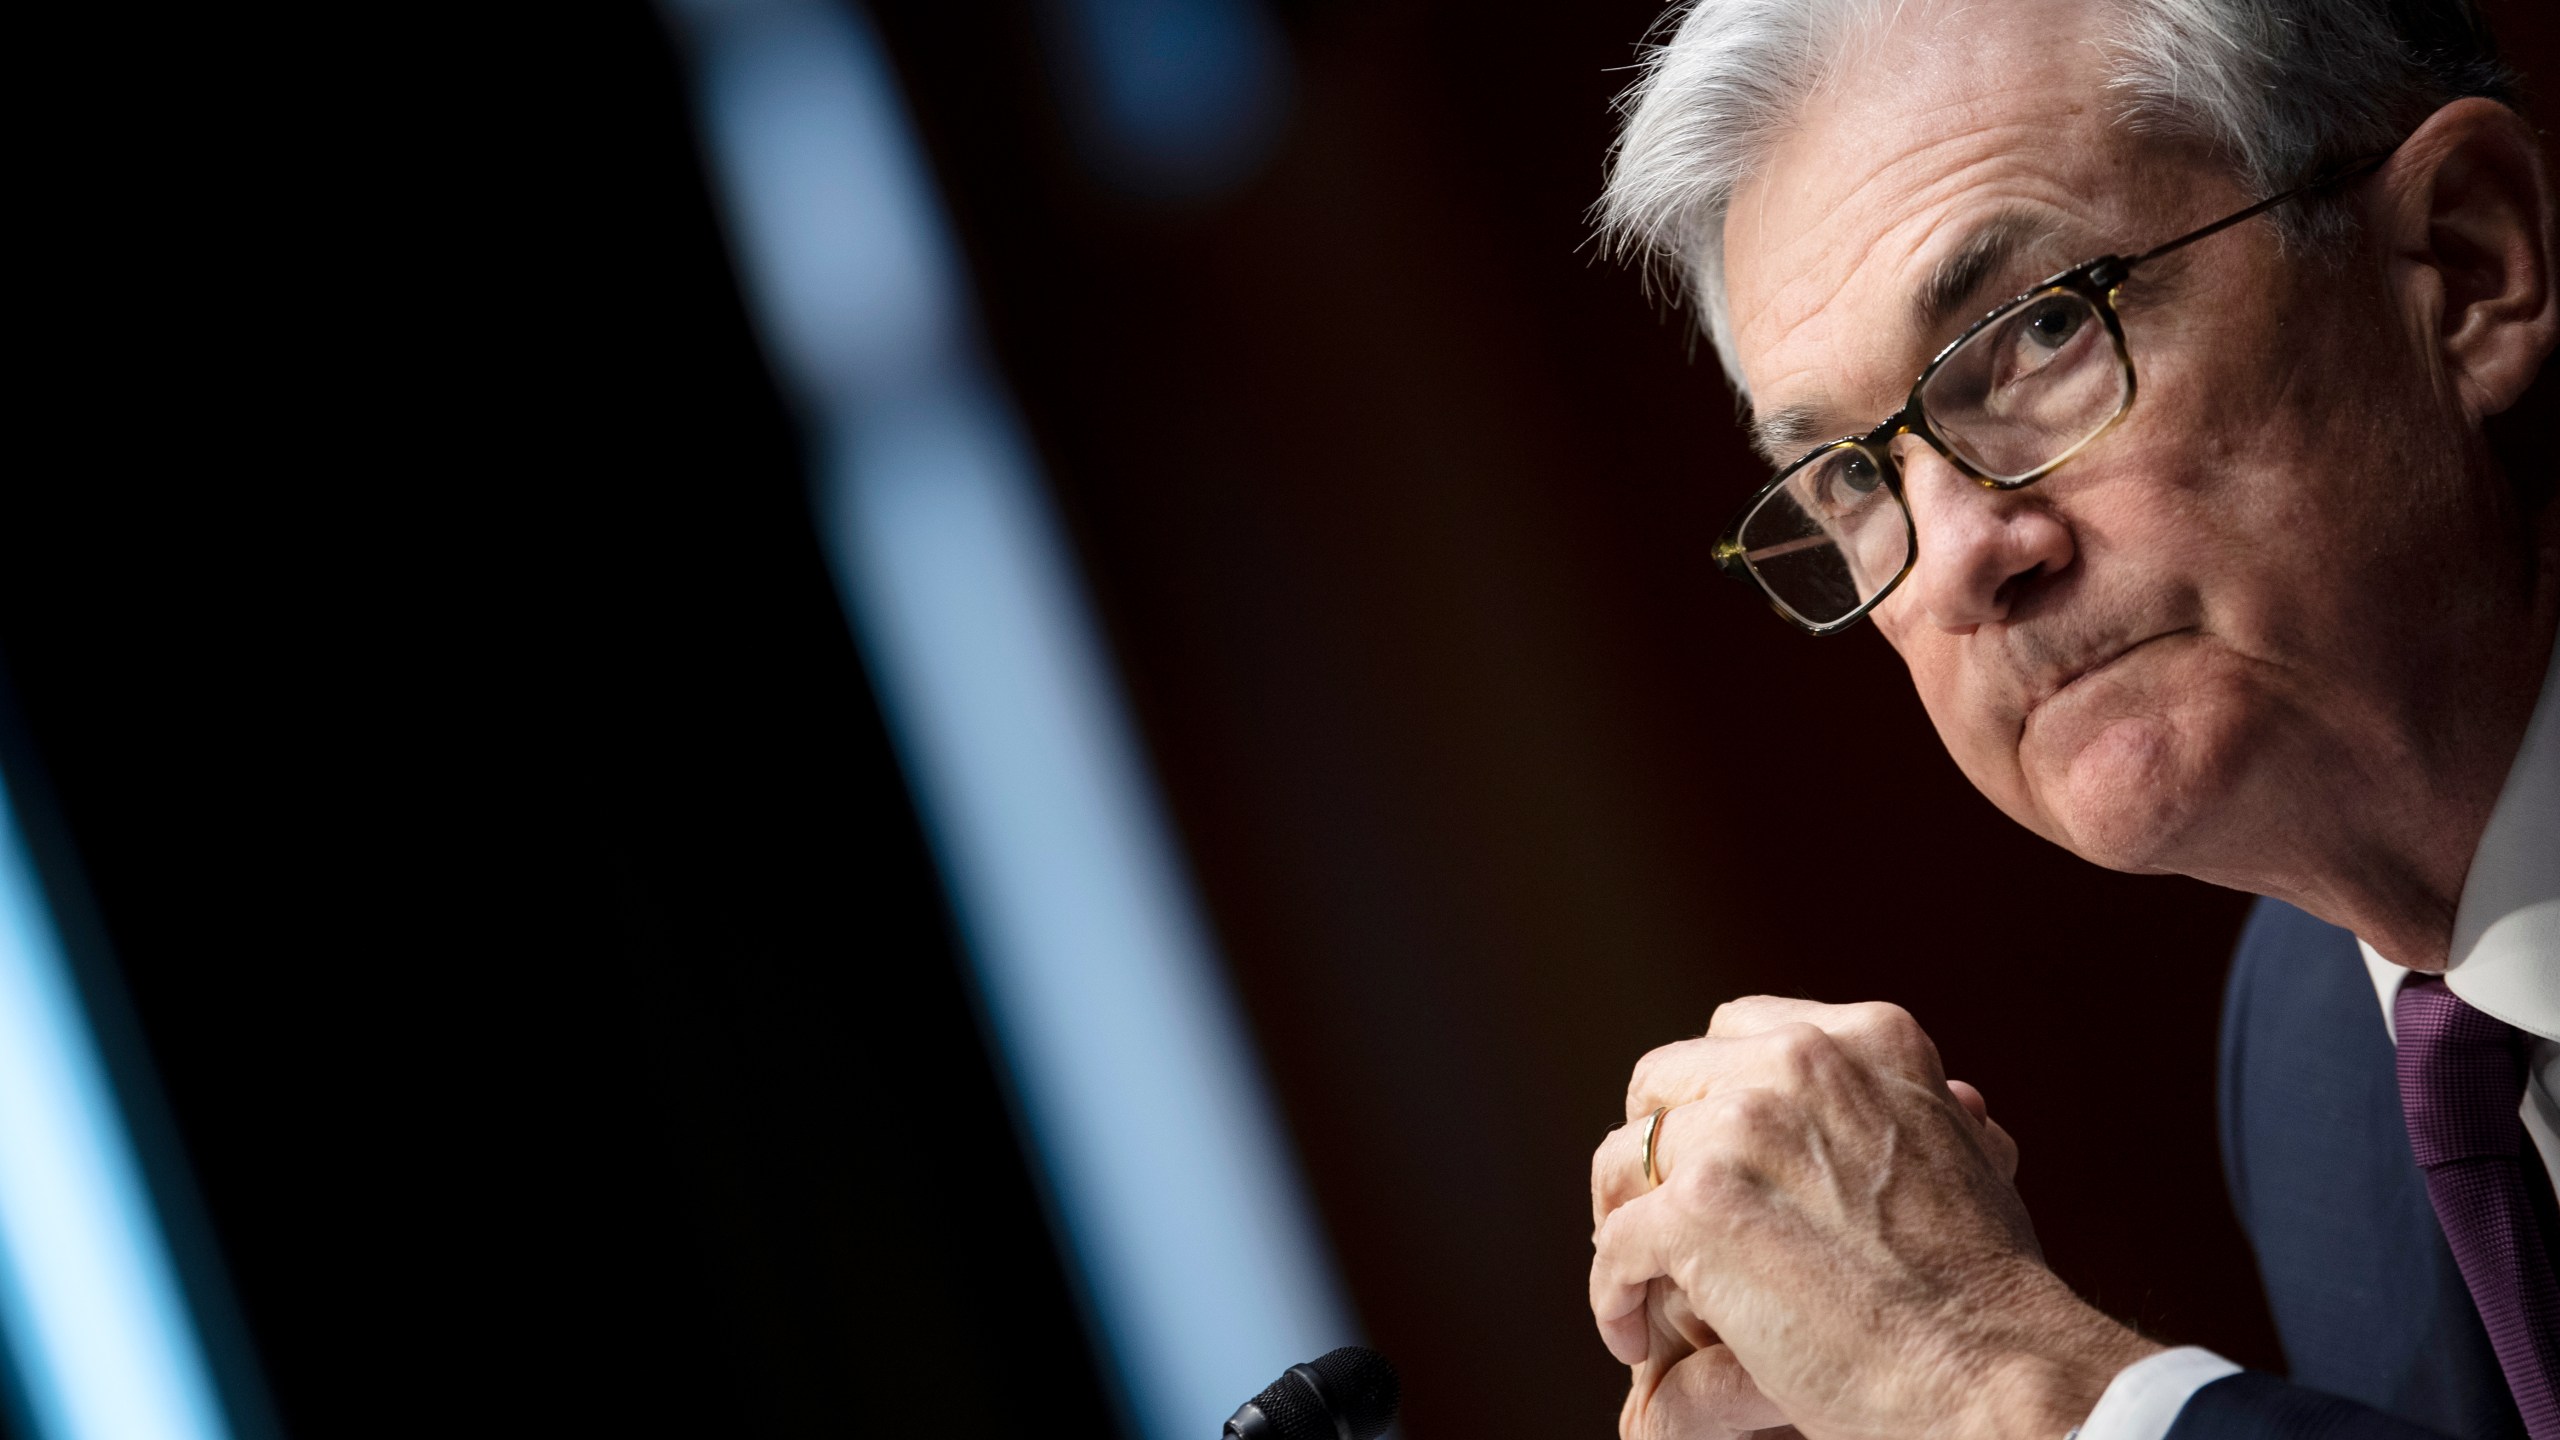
{"x":2381,"y":1336}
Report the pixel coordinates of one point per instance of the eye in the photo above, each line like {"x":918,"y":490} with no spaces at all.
{"x":1844,"y":479}
{"x":2051,"y":325}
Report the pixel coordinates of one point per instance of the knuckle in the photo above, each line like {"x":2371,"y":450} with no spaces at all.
{"x":1752,"y":1114}
{"x":1702,"y":1189}
{"x":1742,"y":1127}
{"x":1733,"y":1015}
{"x":1896,"y":1034}
{"x":1882,"y":1015}
{"x":1802,"y":1051}
{"x":1646,"y":1077}
{"x":1884,"y":1018}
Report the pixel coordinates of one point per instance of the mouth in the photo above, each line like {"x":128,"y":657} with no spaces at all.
{"x":2101,"y":664}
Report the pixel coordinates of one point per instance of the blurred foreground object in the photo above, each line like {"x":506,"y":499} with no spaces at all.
{"x":1346,"y":1394}
{"x":1132,"y":1074}
{"x":100,"y":1342}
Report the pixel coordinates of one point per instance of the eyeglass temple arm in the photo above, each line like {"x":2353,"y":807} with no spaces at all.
{"x":2354,"y":169}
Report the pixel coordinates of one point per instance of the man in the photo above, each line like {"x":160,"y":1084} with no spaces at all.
{"x":2203,"y":561}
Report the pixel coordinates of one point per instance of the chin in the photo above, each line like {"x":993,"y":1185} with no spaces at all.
{"x":2128,"y":799}
{"x":2135,"y":781}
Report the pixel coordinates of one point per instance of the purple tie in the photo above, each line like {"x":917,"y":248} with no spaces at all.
{"x":2462,"y":1079}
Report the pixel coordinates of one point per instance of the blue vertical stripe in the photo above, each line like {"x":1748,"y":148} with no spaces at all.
{"x":98,"y":1332}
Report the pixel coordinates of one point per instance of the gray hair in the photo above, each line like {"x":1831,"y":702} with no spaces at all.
{"x":2281,"y":89}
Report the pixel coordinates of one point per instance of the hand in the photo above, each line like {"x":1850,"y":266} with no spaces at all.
{"x":1840,"y":1219}
{"x":1689,"y":1386}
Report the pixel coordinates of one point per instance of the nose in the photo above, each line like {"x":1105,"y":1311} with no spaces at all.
{"x":1980,"y":548}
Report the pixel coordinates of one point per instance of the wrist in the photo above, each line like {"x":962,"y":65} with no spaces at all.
{"x":2041,"y":1378}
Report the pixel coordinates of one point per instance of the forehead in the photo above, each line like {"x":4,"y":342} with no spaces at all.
{"x":1953,"y":120}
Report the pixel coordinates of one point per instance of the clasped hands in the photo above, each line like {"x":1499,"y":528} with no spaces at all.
{"x":1834,"y":1244}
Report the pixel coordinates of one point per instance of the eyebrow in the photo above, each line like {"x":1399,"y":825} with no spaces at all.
{"x":1787,"y":432}
{"x":1959,"y":277}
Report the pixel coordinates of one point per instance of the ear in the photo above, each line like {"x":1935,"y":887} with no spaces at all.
{"x":2465,"y":208}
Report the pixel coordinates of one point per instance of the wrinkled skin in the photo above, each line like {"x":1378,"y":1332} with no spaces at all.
{"x":1845,"y":1213}
{"x":2220,"y":642}
{"x":2280,"y":630}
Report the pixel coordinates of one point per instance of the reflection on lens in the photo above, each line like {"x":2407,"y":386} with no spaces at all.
{"x":1829,"y":537}
{"x":2029,"y":387}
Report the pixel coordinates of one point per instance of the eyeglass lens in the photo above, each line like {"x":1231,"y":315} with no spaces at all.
{"x":1830,"y":536}
{"x":2017,"y":396}
{"x":2028,"y":388}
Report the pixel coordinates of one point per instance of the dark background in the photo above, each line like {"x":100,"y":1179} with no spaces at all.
{"x":422,"y":658}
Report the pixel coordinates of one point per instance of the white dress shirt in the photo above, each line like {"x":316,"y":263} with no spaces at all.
{"x":2505,"y":960}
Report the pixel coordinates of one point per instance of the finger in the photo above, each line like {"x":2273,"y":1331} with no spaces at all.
{"x":1887,"y":1032}
{"x":1679,"y":1073}
{"x":1998,"y":1143}
{"x":1708,"y":1393}
{"x":1712,"y":1389}
{"x":1625,"y":1336}
{"x":1971,"y":1099}
{"x":1748,"y":1122}
{"x":1759,"y":1014}
{"x":1617,"y":1167}
{"x":1611,"y":1186}
{"x":1626,"y":1255}
{"x":1667,"y":1344}
{"x":1677,"y":1326}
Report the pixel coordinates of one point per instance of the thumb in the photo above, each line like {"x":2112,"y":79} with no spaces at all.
{"x":1706,"y":1394}
{"x":2002,"y":1148}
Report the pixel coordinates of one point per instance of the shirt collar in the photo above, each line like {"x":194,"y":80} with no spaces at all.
{"x":2505,"y":956}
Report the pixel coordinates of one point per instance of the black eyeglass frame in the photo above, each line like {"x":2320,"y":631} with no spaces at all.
{"x":2095,"y":281}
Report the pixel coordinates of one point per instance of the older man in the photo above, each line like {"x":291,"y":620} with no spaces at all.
{"x":2203,"y":561}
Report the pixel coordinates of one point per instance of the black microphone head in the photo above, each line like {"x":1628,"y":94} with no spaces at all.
{"x":1346,"y":1394}
{"x":1363,"y":1388}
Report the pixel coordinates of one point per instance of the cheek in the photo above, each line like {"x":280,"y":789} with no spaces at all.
{"x":1979,"y":730}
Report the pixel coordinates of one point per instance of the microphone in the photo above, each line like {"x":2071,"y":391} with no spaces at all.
{"x":1347,"y":1394}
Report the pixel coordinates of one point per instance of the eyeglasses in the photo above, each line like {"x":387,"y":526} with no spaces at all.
{"x":2020,"y":392}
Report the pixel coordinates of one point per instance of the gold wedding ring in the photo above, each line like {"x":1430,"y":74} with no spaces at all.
{"x":1652,"y":1128}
